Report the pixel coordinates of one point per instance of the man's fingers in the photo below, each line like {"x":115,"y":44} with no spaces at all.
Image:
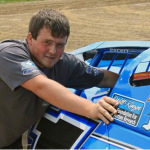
{"x":110,"y":104}
{"x":103,"y":118}
{"x":106,"y":103}
{"x":111,"y":101}
{"x":106,"y":107}
{"x":106,"y":115}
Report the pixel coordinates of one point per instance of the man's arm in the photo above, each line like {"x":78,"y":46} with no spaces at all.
{"x":109,"y":79}
{"x":59,"y":96}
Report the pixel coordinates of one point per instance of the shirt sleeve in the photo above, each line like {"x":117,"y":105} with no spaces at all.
{"x":83,"y":76}
{"x":16,"y":66}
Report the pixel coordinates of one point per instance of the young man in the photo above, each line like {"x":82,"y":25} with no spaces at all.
{"x":36,"y":70}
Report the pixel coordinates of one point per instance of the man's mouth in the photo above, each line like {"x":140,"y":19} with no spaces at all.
{"x":50,"y":57}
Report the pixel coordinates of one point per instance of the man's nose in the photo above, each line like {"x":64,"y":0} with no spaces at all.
{"x":52,"y":49}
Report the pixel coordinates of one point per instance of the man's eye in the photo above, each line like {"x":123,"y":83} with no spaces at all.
{"x":60,"y":45}
{"x":47,"y":42}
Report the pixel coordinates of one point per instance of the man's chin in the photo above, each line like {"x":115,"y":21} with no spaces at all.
{"x":48,"y":65}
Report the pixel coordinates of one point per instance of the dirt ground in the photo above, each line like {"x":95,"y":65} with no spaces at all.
{"x":90,"y":20}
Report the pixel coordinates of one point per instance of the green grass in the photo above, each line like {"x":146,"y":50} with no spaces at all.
{"x":14,"y":1}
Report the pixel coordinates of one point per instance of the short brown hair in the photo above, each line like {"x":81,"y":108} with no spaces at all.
{"x":51,"y":19}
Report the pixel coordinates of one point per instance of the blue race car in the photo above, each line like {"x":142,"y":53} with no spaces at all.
{"x":59,"y":129}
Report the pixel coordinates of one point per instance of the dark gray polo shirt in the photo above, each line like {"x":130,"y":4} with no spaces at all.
{"x":20,"y":108}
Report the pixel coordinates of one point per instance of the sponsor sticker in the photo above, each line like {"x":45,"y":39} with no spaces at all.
{"x":146,"y":126}
{"x":124,"y":50}
{"x":142,"y":75}
{"x":129,"y":110}
{"x":27,"y":67}
{"x":148,"y":100}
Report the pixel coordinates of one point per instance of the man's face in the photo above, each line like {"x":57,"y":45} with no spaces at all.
{"x":46,"y":50}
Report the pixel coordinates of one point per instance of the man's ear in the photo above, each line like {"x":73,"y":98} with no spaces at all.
{"x":29,"y":38}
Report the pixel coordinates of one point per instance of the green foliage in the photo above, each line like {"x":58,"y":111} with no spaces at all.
{"x":14,"y":1}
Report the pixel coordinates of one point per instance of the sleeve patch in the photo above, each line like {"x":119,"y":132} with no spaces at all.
{"x":90,"y":68}
{"x":28,"y":67}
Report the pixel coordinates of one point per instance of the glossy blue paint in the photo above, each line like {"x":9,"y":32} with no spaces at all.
{"x":131,"y":128}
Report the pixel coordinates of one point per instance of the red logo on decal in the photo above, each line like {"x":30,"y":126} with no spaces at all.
{"x":142,"y":75}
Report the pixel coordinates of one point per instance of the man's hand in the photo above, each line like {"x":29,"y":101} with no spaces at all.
{"x":103,"y":108}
